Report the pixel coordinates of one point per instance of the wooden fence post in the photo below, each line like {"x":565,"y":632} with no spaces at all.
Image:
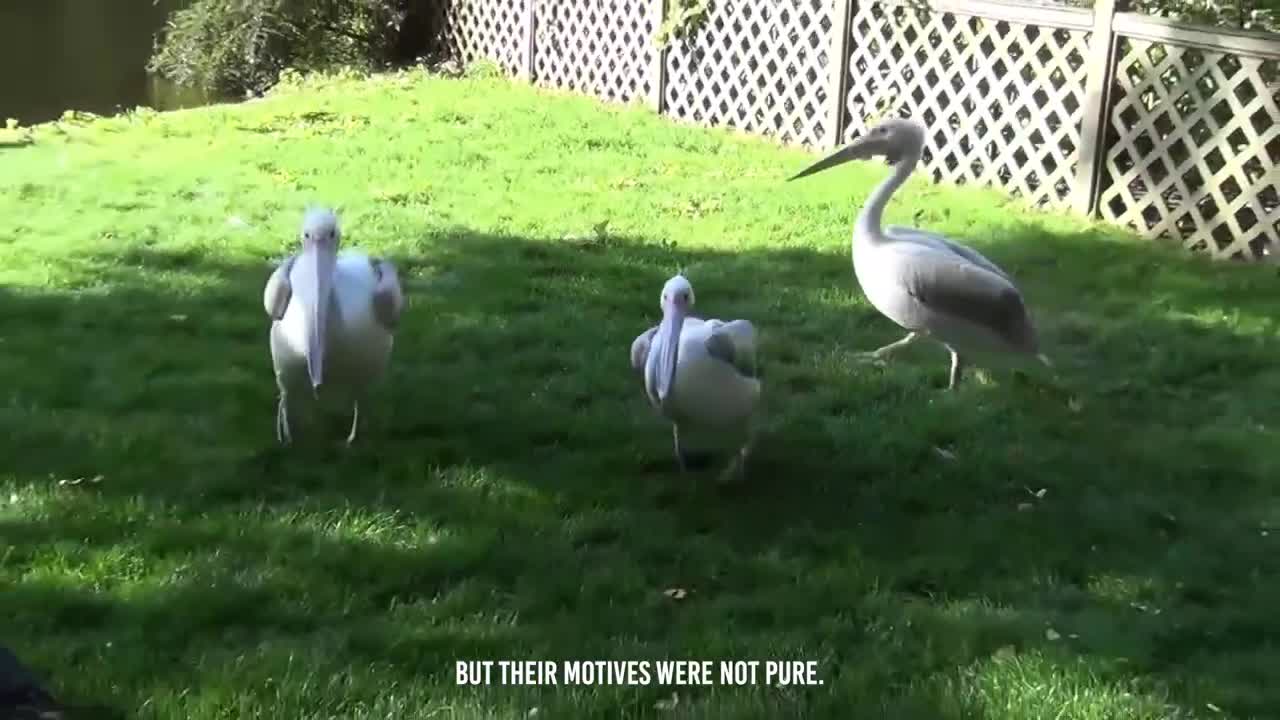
{"x":1100,"y":69}
{"x":838,"y":69}
{"x":658,"y":64}
{"x":529,"y":42}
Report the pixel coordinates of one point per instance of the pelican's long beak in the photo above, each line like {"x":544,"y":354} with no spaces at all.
{"x":860,"y":149}
{"x":667,"y":347}
{"x":313,"y":284}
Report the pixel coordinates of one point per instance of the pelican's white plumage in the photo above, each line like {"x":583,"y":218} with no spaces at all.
{"x":700,"y":374}
{"x":922,"y":281}
{"x":334,"y":316}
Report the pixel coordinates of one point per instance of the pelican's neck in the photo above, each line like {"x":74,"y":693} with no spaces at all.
{"x":868,"y":224}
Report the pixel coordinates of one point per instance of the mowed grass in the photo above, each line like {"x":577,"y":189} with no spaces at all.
{"x":1103,"y":546}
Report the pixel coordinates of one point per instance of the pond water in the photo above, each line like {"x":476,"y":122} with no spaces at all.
{"x":58,"y":55}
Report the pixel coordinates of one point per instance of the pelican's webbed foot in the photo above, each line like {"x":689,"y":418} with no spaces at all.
{"x":737,"y":469}
{"x":879,"y":355}
{"x":870,"y":358}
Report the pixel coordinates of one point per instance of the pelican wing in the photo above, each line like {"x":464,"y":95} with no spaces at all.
{"x":951,"y":286}
{"x":941,"y":242}
{"x":388,"y":297}
{"x":278,"y":292}
{"x":734,"y":343}
{"x":640,"y":348}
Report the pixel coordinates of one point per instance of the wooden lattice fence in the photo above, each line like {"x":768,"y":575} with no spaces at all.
{"x":1003,"y":100}
{"x":758,"y":66}
{"x":1193,"y":146}
{"x":602,"y":47}
{"x":1167,"y":128}
{"x":496,"y":30}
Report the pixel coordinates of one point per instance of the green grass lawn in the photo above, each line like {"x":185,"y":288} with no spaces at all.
{"x":1107,"y":546}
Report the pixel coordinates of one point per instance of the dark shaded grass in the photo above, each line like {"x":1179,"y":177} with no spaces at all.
{"x":848,"y":545}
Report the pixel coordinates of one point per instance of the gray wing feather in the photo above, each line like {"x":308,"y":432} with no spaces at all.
{"x":734,"y":343}
{"x":640,"y":348}
{"x":906,"y":234}
{"x":388,"y":297}
{"x":972,"y":293}
{"x":276,"y":295}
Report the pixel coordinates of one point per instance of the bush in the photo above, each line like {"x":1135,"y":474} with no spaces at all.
{"x":241,"y":46}
{"x":1241,"y":14}
{"x":683,"y":19}
{"x":1236,"y":14}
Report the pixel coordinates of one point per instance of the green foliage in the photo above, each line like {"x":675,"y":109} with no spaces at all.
{"x":1242,"y":14}
{"x":483,"y":68}
{"x":233,"y":46}
{"x":1236,"y":14}
{"x":12,"y":134}
{"x":683,"y":19}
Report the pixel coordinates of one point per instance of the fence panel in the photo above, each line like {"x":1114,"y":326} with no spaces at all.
{"x":487,"y":29}
{"x":601,"y":47}
{"x":1188,"y":143}
{"x":1193,"y":147}
{"x":758,"y":66}
{"x":1002,"y":100}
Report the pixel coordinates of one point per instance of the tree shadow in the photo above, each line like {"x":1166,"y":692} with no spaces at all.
{"x":512,"y":422}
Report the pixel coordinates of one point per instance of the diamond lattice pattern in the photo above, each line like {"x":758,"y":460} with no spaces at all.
{"x":758,"y":66}
{"x":489,"y":29}
{"x":602,"y":47}
{"x":1002,"y":101}
{"x":1194,"y":149}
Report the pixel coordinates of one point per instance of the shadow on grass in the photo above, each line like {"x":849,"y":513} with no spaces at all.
{"x":1124,"y":509}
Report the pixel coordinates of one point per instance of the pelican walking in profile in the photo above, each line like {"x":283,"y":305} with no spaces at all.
{"x":701,"y":375}
{"x":333,"y":319}
{"x":927,"y":284}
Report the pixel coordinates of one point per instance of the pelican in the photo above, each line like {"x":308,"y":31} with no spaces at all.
{"x":700,"y":374}
{"x":333,"y":319}
{"x":930,"y":286}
